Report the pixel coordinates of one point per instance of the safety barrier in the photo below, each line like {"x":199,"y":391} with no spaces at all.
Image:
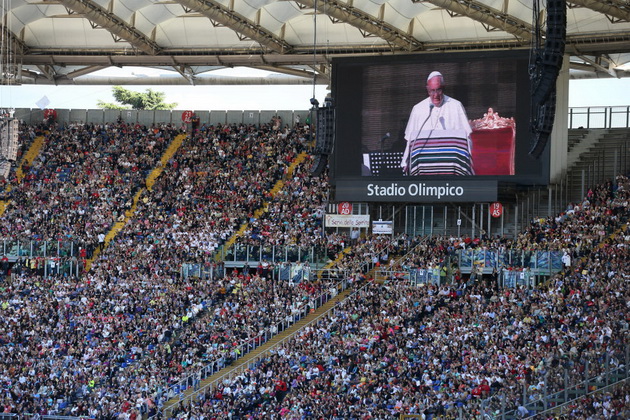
{"x":599,"y":117}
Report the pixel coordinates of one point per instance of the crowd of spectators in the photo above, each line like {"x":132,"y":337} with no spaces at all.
{"x":132,"y":320}
{"x":82,"y":181}
{"x":613,"y":404}
{"x":435,"y":350}
{"x":27,"y":133}
{"x":113,"y":342}
{"x":575,"y":232}
{"x":293,"y":216}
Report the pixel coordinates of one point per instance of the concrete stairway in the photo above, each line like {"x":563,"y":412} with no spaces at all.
{"x":575,"y":137}
{"x":166,"y":156}
{"x":587,"y":142}
{"x":149,"y":182}
{"x":255,"y":355}
{"x":258,"y":212}
{"x":601,"y":155}
{"x":27,"y":160}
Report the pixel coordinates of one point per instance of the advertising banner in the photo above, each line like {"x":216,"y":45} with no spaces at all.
{"x":350,"y":220}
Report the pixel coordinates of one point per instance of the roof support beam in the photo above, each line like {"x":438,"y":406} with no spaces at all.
{"x":292,"y":72}
{"x":16,"y":45}
{"x":615,"y":10}
{"x":581,"y":66}
{"x":586,"y":44}
{"x":487,"y":16}
{"x":175,"y":80}
{"x":344,"y":12}
{"x":30,"y":74}
{"x":116,"y":26}
{"x":591,"y":71}
{"x":597,"y":65}
{"x":84,"y":71}
{"x":48,"y":72}
{"x":186,"y":72}
{"x":218,"y":13}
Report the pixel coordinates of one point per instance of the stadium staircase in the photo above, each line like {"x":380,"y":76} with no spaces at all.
{"x":3,"y":206}
{"x":244,"y":362}
{"x":166,"y":156}
{"x":594,"y":156}
{"x":149,"y":182}
{"x":27,"y":160}
{"x":330,"y":264}
{"x":594,"y":385}
{"x":258,"y":212}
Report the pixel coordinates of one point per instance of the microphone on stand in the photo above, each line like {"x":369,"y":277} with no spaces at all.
{"x":431,"y":106}
{"x":385,"y":137}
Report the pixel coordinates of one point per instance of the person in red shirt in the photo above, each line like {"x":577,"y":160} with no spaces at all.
{"x":4,"y":265}
{"x":281,"y":389}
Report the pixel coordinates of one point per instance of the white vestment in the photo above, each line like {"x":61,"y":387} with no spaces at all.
{"x":426,"y":122}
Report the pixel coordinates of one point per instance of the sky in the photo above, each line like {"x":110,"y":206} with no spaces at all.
{"x":582,"y":93}
{"x":200,"y":97}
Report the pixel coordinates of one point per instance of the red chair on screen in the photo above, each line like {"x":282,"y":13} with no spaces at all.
{"x":493,"y":144}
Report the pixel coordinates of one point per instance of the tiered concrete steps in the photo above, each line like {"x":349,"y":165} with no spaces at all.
{"x":27,"y":159}
{"x":168,"y":154}
{"x":149,"y":182}
{"x":601,"y":155}
{"x":274,"y":190}
{"x":340,"y":256}
{"x":29,"y":156}
{"x":243,"y":362}
{"x":3,"y":206}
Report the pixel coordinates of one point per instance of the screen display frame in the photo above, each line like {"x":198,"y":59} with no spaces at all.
{"x":373,"y":97}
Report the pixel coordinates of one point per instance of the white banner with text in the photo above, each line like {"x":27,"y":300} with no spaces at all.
{"x":348,"y":220}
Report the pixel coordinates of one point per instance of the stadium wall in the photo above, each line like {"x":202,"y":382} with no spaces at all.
{"x":100,"y":116}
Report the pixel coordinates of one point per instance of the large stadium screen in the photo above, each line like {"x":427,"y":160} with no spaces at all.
{"x":428,"y":119}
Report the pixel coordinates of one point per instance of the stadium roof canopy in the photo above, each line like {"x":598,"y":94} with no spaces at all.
{"x":69,"y":41}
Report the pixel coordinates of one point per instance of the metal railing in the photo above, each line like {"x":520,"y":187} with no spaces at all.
{"x":254,"y":361}
{"x":599,"y":117}
{"x":539,"y":262}
{"x":418,"y":276}
{"x":204,"y":271}
{"x":289,"y":272}
{"x":273,"y":253}
{"x":194,"y":379}
{"x":47,"y":266}
{"x":438,"y":276}
{"x":45,"y":258}
{"x":560,"y":409}
{"x":565,"y":379}
{"x":16,"y":248}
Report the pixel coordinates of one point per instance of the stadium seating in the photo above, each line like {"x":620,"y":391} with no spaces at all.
{"x":120,"y":340}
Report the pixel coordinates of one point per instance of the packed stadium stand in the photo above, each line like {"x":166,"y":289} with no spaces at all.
{"x":243,"y":264}
{"x":127,"y":335}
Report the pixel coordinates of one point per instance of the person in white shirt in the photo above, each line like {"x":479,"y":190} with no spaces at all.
{"x":438,"y":132}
